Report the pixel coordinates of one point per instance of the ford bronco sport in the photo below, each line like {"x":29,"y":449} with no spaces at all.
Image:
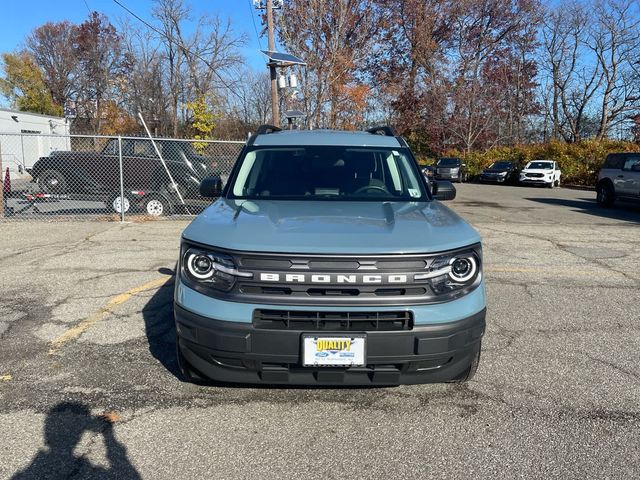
{"x":328,"y":260}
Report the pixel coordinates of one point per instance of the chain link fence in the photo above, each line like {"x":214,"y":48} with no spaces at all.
{"x":48,"y":176}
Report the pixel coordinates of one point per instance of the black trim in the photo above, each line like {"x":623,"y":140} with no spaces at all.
{"x":239,"y":352}
{"x":321,"y":320}
{"x":385,"y":130}
{"x":266,"y":129}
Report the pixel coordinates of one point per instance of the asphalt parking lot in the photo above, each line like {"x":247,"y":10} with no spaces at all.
{"x":89,"y":386}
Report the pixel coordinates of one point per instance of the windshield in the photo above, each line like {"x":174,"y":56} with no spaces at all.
{"x":327,"y":173}
{"x":501,"y":165}
{"x":541,"y":165}
{"x":448,"y":162}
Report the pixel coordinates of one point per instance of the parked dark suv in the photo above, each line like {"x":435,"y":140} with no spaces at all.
{"x":451,"y":168}
{"x":65,"y":172}
{"x":619,"y":178}
{"x":501,"y":172}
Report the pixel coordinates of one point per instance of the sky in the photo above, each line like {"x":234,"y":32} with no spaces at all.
{"x":16,"y":22}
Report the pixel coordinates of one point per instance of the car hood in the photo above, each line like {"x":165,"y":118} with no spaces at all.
{"x":495,"y":170}
{"x":330,"y":227}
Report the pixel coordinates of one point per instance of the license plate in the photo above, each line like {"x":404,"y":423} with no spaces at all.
{"x":333,"y":351}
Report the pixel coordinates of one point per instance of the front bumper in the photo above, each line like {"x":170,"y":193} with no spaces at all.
{"x":493,"y":178}
{"x":447,"y":176}
{"x":536,"y":180}
{"x":239,"y":352}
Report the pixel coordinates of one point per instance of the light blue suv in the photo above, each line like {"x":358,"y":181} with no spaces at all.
{"x":327,"y":260}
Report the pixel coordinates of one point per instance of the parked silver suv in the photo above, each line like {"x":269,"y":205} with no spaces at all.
{"x":619,"y":179}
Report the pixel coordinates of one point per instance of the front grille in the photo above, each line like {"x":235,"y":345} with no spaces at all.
{"x":332,"y":321}
{"x":304,"y":291}
{"x":535,"y":175}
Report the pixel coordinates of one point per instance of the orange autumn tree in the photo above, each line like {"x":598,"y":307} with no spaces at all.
{"x":352,"y":101}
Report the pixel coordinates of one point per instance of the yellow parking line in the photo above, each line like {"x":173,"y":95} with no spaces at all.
{"x":7,"y":377}
{"x":119,"y":299}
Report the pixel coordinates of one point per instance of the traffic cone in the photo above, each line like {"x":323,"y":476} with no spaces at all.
{"x":6,"y":187}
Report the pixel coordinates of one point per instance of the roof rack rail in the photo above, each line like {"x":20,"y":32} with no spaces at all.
{"x":264,"y":129}
{"x":385,"y":130}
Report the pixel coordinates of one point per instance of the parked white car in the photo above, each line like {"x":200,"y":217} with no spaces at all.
{"x":541,"y":172}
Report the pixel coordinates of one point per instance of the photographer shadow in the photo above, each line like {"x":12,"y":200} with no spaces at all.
{"x":64,"y":427}
{"x":159,"y":325}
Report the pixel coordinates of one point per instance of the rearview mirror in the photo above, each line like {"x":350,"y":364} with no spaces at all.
{"x":443,"y":190}
{"x":211,"y":187}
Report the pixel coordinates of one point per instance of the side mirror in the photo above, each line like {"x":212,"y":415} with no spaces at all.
{"x":211,"y":187}
{"x":443,"y":190}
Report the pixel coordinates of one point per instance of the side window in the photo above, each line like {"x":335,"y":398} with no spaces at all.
{"x":614,"y":161}
{"x":143,"y":148}
{"x":632,"y":164}
{"x":111,"y":147}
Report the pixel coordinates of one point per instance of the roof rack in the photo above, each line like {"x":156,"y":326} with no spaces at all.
{"x":385,"y":130}
{"x":264,"y":129}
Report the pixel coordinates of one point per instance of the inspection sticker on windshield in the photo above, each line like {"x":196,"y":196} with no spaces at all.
{"x":414,"y":193}
{"x":330,"y":351}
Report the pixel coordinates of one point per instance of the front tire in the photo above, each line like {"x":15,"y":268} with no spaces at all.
{"x":53,"y":182}
{"x":605,"y":195}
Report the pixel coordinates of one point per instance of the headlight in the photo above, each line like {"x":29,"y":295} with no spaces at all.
{"x":454,"y":273}
{"x":209,"y":270}
{"x":502,"y":174}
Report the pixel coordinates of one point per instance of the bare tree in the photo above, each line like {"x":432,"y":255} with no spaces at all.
{"x":51,"y":46}
{"x":481,"y":29}
{"x":198,"y":64}
{"x":575,"y":81}
{"x":615,"y":39}
{"x":98,"y":48}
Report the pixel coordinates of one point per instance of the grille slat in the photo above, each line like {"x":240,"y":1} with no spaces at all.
{"x":332,"y":321}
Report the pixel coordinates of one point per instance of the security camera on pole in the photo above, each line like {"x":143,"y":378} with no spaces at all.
{"x":276,"y":59}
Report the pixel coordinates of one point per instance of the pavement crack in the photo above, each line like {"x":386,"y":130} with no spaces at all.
{"x":612,"y":365}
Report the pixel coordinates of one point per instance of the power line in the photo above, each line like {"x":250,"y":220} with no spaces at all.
{"x":254,"y":24}
{"x":181,"y":45}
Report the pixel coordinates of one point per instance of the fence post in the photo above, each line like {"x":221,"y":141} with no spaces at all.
{"x":121,"y":180}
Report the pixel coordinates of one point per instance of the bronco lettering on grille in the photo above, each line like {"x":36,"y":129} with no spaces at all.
{"x":332,"y":278}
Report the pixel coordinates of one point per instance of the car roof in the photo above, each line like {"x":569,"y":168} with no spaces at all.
{"x":326,"y":137}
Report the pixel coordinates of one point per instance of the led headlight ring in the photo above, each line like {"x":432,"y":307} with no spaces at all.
{"x":200,"y":266}
{"x":463,"y":268}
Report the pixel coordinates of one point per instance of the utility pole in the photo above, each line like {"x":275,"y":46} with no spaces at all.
{"x":275,"y":108}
